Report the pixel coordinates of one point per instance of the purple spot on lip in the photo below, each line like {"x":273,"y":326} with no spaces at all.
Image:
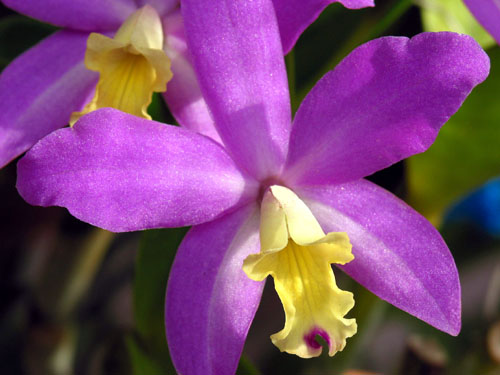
{"x":310,"y":338}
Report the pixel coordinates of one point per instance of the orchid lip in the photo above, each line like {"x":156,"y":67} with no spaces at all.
{"x":298,"y":255}
{"x":131,"y":65}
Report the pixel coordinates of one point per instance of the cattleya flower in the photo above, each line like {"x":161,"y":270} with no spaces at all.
{"x":131,"y":44}
{"x":273,"y":198}
{"x":487,"y":12}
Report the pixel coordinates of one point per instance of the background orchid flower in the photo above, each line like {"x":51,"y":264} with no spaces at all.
{"x":384,"y":102}
{"x":487,"y":12}
{"x":50,"y":83}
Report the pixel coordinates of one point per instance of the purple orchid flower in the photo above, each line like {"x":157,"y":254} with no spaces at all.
{"x":42,"y":88}
{"x":262,"y":200}
{"x":487,"y":12}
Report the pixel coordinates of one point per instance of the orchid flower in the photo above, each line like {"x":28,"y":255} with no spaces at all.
{"x":276,"y":197}
{"x":57,"y":81}
{"x":487,"y":12}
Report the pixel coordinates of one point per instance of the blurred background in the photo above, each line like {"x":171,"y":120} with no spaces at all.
{"x":79,"y":300}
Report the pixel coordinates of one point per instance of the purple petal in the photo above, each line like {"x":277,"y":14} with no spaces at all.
{"x":386,"y":101}
{"x":40,"y":89}
{"x":294,"y":16}
{"x":239,"y":62}
{"x":87,"y":15}
{"x":487,"y":12}
{"x":122,"y":172}
{"x":183,"y":94}
{"x":398,"y":254}
{"x":210,"y":302}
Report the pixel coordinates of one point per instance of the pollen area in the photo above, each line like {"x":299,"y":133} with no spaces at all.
{"x":298,"y":255}
{"x":131,"y":66}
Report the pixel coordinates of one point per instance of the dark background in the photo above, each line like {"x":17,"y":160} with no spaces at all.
{"x":66,"y":294}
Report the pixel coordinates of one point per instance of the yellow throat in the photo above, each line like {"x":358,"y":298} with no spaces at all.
{"x":298,"y":255}
{"x":131,"y":66}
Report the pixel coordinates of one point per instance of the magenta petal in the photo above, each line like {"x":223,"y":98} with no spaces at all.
{"x":384,"y":102}
{"x":40,"y":89}
{"x":354,"y":4}
{"x":87,"y":15}
{"x":183,"y":94}
{"x":210,"y":302}
{"x":121,"y":173}
{"x":487,"y":12}
{"x":398,"y":254}
{"x":294,"y":16}
{"x":239,"y":62}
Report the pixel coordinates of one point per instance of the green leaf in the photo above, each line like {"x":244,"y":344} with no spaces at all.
{"x":159,"y":111}
{"x":465,"y":154}
{"x":453,"y":15}
{"x":245,"y":367}
{"x":142,"y":362}
{"x":156,"y":253}
{"x":18,"y":33}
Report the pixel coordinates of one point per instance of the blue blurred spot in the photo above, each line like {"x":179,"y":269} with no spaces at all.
{"x":481,"y":207}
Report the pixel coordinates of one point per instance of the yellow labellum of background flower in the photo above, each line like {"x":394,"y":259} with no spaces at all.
{"x":298,"y":255}
{"x":132,"y":65}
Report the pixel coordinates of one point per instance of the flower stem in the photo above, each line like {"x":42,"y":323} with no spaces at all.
{"x":84,"y":270}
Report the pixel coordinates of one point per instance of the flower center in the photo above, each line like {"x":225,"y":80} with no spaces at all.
{"x":298,"y":255}
{"x":265,"y":186}
{"x":131,"y":66}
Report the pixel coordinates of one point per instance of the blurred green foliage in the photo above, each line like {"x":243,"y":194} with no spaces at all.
{"x":453,"y":15}
{"x":465,"y":154}
{"x":148,"y":345}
